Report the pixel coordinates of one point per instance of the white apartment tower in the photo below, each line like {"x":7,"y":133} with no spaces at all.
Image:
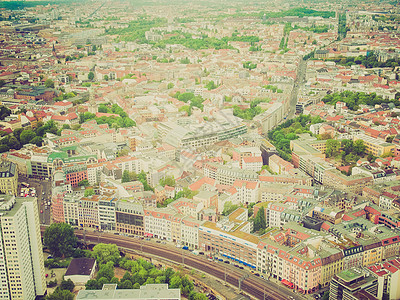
{"x":21,"y":255}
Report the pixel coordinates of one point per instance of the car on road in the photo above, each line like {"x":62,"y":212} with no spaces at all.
{"x":240,"y":267}
{"x":185,"y":248}
{"x":220,"y":259}
{"x":158,"y":241}
{"x":201,"y":253}
{"x":227,"y":261}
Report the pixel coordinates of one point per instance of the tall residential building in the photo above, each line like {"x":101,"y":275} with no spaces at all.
{"x":21,"y":256}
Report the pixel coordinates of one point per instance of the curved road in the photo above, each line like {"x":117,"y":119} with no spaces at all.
{"x":253,"y":285}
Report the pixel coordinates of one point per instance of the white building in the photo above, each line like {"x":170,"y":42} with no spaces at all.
{"x":21,"y":256}
{"x":157,"y":223}
{"x":190,"y":232}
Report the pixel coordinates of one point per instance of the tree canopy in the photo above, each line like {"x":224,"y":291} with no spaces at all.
{"x":259,"y":220}
{"x":353,"y":100}
{"x":105,"y":253}
{"x":60,"y":239}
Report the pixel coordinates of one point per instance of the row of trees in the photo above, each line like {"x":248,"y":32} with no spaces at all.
{"x":353,"y":100}
{"x":298,"y":12}
{"x":369,"y":61}
{"x":273,"y":88}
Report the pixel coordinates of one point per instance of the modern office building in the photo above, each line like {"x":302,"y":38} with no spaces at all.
{"x":21,"y":257}
{"x":353,"y":284}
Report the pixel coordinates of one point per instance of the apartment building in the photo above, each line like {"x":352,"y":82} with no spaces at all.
{"x":8,"y":178}
{"x":388,"y":276}
{"x":189,"y":235}
{"x":157,"y":223}
{"x":375,"y":146}
{"x":354,"y":183}
{"x":88,"y":212}
{"x":21,"y":260}
{"x":75,"y":173}
{"x":227,"y":174}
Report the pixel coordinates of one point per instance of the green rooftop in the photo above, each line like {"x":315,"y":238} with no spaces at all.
{"x":349,"y":275}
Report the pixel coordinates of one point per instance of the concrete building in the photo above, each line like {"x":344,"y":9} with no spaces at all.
{"x":129,"y":216}
{"x":8,"y":178}
{"x":353,"y":284}
{"x":375,"y":146}
{"x":21,"y":257}
{"x":388,"y":275}
{"x":146,"y":292}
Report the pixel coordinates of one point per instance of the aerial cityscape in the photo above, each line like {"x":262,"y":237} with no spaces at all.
{"x":199,"y":149}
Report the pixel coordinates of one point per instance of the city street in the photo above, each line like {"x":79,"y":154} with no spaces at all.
{"x":43,"y":194}
{"x":300,"y":80}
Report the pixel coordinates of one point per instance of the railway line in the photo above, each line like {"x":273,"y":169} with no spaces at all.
{"x":252,"y":285}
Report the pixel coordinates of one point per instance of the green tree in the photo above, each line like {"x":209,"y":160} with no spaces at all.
{"x":92,"y":284}
{"x":49,"y":83}
{"x":187,"y":193}
{"x":167,"y":180}
{"x":60,"y":239}
{"x":17,"y":132}
{"x":90,"y":75}
{"x":37,"y":140}
{"x":106,"y":271}
{"x":26,"y":136}
{"x":211,"y":85}
{"x":106,"y":77}
{"x":359,"y":147}
{"x":332,"y":147}
{"x":126,"y":284}
{"x":89,"y":192}
{"x":60,"y":294}
{"x":170,"y":85}
{"x":347,"y":146}
{"x":83,"y":182}
{"x":229,"y":207}
{"x":142,"y":177}
{"x":4,"y":112}
{"x":13,"y":143}
{"x":106,"y":253}
{"x":125,"y":176}
{"x":67,"y":285}
{"x":259,"y":220}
